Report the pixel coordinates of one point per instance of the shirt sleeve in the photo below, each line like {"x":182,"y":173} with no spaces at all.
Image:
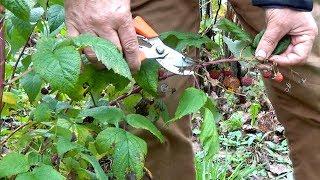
{"x":305,"y":5}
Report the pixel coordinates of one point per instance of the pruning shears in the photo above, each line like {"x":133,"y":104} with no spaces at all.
{"x":152,"y":47}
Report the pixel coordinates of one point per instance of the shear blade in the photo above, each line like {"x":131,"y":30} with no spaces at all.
{"x":167,"y":57}
{"x":174,"y":61}
{"x":176,"y":68}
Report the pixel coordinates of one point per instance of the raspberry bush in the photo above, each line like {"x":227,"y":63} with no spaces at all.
{"x":62,"y":117}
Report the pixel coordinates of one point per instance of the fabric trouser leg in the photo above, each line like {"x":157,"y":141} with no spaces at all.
{"x":298,"y":109}
{"x":174,"y":159}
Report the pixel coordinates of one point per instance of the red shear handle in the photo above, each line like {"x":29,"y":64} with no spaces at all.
{"x":143,"y":28}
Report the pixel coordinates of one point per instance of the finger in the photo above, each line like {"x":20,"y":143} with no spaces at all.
{"x":269,"y":41}
{"x":297,"y":53}
{"x":72,"y":30}
{"x":88,"y":51}
{"x":111,"y":35}
{"x":129,"y":42}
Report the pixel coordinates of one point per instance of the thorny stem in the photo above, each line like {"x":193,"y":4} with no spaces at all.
{"x":205,"y":64}
{"x":135,"y":90}
{"x":138,"y":89}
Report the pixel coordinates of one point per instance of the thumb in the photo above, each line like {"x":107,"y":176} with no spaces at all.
{"x":269,"y":41}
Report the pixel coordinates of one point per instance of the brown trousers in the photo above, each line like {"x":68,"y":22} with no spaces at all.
{"x":298,"y":110}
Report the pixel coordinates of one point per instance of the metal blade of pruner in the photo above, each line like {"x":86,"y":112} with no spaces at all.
{"x":153,"y":48}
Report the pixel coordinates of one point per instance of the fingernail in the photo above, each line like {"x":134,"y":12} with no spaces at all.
{"x":261,"y":55}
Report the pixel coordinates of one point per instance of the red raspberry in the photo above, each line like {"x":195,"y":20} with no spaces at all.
{"x":266,"y":74}
{"x":278,"y":77}
{"x":246,"y":81}
{"x":227,"y":73}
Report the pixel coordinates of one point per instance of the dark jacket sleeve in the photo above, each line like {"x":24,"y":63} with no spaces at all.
{"x":306,"y":5}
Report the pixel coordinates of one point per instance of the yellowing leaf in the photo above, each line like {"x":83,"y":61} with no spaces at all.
{"x":9,"y":98}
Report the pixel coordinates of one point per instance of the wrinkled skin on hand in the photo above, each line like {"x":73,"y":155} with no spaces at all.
{"x":109,"y":19}
{"x":302,"y":28}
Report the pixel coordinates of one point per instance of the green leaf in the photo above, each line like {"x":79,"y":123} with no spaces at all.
{"x":60,"y":2}
{"x":254,"y":111}
{"x":19,"y":8}
{"x":106,"y":52}
{"x":147,"y":77}
{"x":182,"y":40}
{"x":55,"y":17}
{"x":234,"y":123}
{"x":23,"y":27}
{"x":31,"y":83}
{"x":131,"y":102}
{"x":236,"y":31}
{"x":239,"y":49}
{"x":100,"y":78}
{"x":64,"y":145}
{"x":13,"y":164}
{"x":97,"y":81}
{"x":139,"y":121}
{"x":190,"y":102}
{"x":96,"y":166}
{"x":163,"y":110}
{"x":42,"y":113}
{"x":35,"y":15}
{"x":60,"y":67}
{"x":34,"y":158}
{"x":40,"y":172}
{"x":128,"y":151}
{"x":18,"y":30}
{"x":104,"y":114}
{"x":212,"y":106}
{"x":26,"y":62}
{"x":257,"y":39}
{"x":209,"y":136}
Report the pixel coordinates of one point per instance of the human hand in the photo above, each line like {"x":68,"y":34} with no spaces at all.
{"x":299,"y":25}
{"x":109,"y":19}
